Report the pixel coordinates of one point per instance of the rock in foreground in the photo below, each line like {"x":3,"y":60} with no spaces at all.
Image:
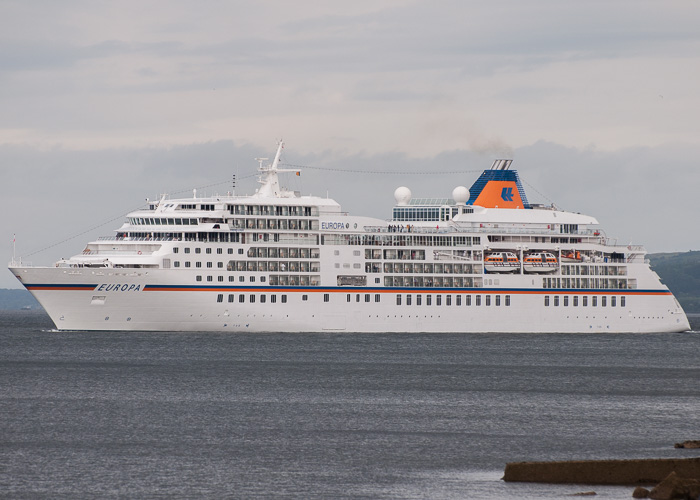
{"x":688,"y":444}
{"x":676,"y":488}
{"x":620,"y":472}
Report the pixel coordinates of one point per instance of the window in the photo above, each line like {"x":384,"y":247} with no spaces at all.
{"x":197,"y":250}
{"x":498,"y":300}
{"x":398,"y":299}
{"x":622,"y":301}
{"x":219,"y":251}
{"x":210,"y":265}
{"x":458,"y":300}
{"x":468,"y":300}
{"x":428,"y":300}
{"x":198,"y":278}
{"x":507,"y":300}
{"x":230,"y":251}
{"x":584,"y":301}
{"x":220,"y":297}
{"x":230,"y":297}
{"x":575,"y":301}
{"x":566,"y":301}
{"x":273,"y":299}
{"x":241,"y":278}
{"x":210,"y":278}
{"x":187,"y":250}
{"x":208,"y":250}
{"x":366,"y":297}
{"x":252,"y":298}
{"x":594,"y":301}
{"x":326,"y":297}
{"x":252,"y":279}
{"x":176,"y":263}
{"x":478,"y":300}
{"x":303,"y":297}
{"x":438,"y":300}
{"x":556,"y":301}
{"x":187,"y":264}
{"x":219,"y":265}
{"x":488,"y":300}
{"x":221,"y":278}
{"x":231,"y":278}
{"x":546,"y":300}
{"x":603,"y":301}
{"x":613,"y":301}
{"x":408,"y":300}
{"x":176,"y":250}
{"x":198,"y":264}
{"x":349,"y":298}
{"x":418,"y":299}
{"x":241,"y":298}
{"x":448,"y":300}
{"x":263,"y":298}
{"x":240,"y":251}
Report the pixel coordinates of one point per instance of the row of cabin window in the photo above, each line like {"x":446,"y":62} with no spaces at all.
{"x":219,"y":251}
{"x":274,"y":266}
{"x":231,"y":278}
{"x":591,"y":270}
{"x":458,"y":300}
{"x":275,"y":279}
{"x":398,"y":240}
{"x":156,"y":221}
{"x":251,"y":298}
{"x":294,"y":224}
{"x":613,"y":283}
{"x":584,"y":301}
{"x":387,"y":267}
{"x":291,"y":253}
{"x":417,"y":254}
{"x":430,"y":281}
{"x":283,"y":210}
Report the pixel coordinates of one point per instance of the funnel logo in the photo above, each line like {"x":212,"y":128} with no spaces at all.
{"x":507,"y":194}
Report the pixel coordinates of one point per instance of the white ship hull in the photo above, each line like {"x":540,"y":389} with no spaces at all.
{"x":141,"y":303}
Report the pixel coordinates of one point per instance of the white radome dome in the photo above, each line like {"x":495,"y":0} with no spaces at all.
{"x":402,"y":195}
{"x":460,"y":194}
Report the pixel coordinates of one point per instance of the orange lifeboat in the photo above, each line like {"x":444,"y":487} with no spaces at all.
{"x":540,"y":263}
{"x":501,"y":262}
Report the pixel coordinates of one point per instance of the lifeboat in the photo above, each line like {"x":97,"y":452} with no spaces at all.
{"x":502,"y":262}
{"x":540,"y":262}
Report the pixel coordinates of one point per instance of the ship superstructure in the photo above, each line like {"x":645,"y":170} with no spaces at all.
{"x":485,"y":260}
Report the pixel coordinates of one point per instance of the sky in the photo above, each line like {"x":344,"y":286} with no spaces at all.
{"x":104,"y":104}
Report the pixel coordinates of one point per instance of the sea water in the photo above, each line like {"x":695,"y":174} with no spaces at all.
{"x":211,"y":415}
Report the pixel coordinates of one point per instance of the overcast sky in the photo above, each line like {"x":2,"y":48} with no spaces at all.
{"x":103,"y":104}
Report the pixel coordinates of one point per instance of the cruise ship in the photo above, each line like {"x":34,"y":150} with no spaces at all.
{"x":482,"y":260}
